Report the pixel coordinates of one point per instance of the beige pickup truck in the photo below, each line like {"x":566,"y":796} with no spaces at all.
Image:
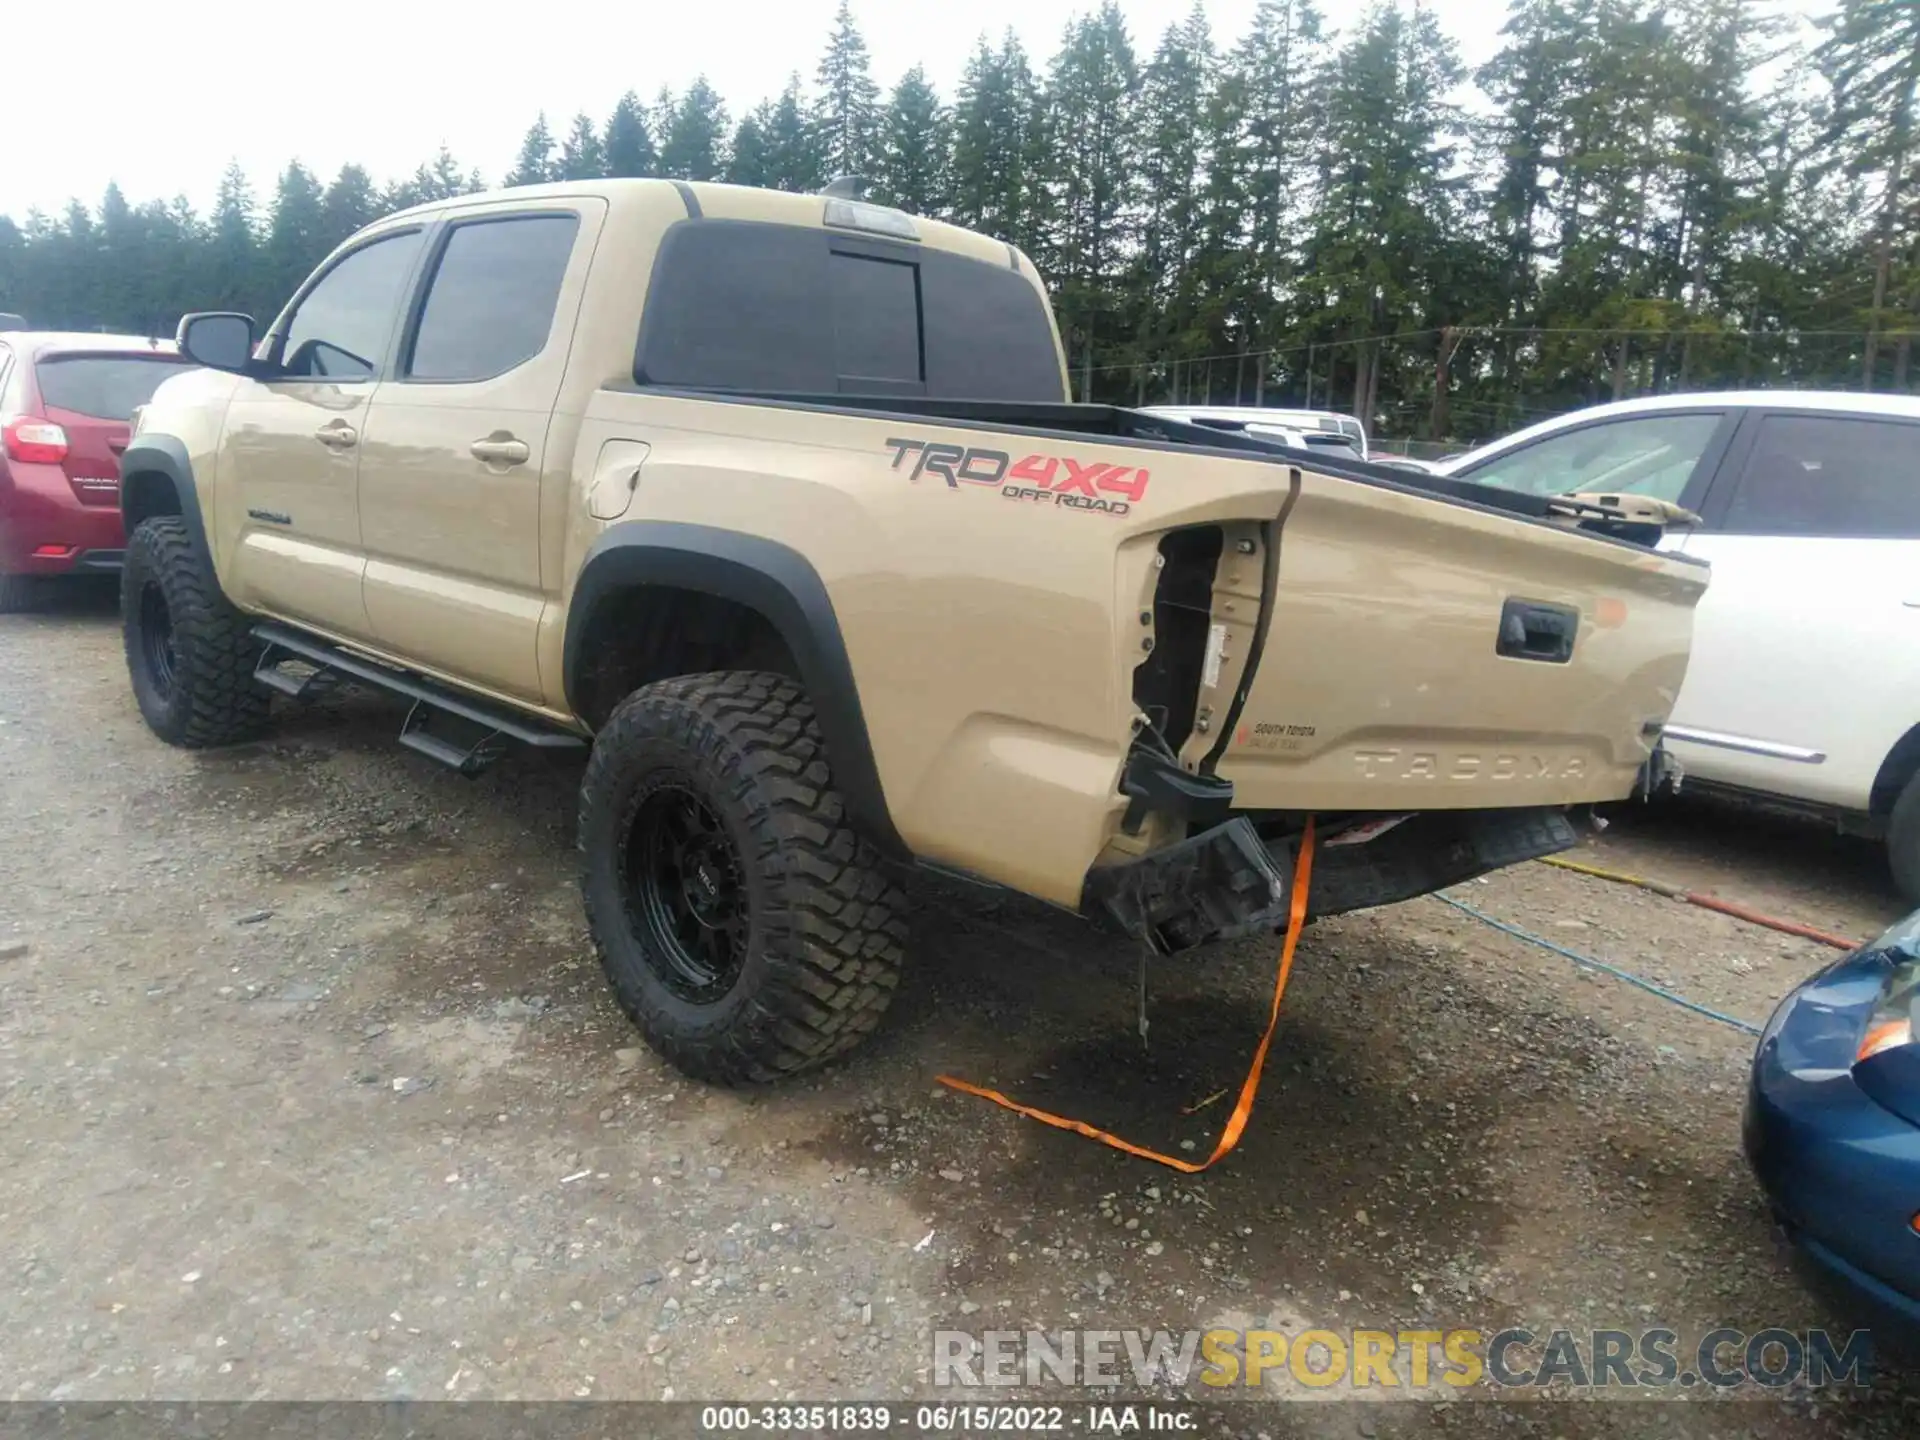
{"x":776,"y":504}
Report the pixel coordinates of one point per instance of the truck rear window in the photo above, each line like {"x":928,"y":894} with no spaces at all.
{"x":105,"y":387}
{"x":738,"y":305}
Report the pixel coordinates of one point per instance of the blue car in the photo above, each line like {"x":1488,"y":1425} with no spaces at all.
{"x":1833,"y":1133}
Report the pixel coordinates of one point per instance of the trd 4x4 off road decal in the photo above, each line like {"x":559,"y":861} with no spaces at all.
{"x":1049,"y":479}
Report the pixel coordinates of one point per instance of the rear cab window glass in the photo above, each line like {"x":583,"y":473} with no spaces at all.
{"x":1652,"y":455}
{"x":341,"y":327}
{"x":1831,"y":475}
{"x":491,"y":301}
{"x":102,"y":387}
{"x":742,"y":306}
{"x":876,"y":318}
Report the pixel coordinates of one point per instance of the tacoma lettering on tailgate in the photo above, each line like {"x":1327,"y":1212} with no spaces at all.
{"x":1465,"y":765}
{"x":1057,"y":480}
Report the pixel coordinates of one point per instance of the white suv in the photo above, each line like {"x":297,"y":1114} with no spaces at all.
{"x":1805,"y":681}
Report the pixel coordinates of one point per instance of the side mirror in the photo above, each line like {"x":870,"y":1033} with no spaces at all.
{"x":217,"y":339}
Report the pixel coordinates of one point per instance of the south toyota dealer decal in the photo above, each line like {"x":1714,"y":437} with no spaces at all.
{"x":1050,"y":479}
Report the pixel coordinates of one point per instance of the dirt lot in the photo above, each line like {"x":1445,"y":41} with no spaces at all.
{"x":312,"y":1090}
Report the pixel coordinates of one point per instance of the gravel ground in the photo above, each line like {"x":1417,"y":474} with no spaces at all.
{"x":311,"y":1089}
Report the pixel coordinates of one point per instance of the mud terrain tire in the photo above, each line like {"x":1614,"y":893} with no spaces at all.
{"x":746,"y":928}
{"x":189,"y":653}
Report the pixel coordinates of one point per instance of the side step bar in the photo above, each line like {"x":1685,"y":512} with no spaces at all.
{"x":462,"y":732}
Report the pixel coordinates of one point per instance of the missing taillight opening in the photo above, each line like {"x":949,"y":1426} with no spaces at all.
{"x":1166,"y":685}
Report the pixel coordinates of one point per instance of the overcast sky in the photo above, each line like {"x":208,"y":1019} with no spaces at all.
{"x":160,"y":94}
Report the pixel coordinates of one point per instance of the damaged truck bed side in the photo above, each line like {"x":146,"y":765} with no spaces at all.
{"x":1439,"y":671}
{"x":777,"y":503}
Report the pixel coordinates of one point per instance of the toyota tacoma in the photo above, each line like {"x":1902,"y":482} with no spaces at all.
{"x":776,"y":508}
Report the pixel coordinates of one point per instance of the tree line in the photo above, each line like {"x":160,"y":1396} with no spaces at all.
{"x":1631,"y":196}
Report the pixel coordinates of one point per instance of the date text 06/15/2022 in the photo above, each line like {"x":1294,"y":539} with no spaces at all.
{"x":950,"y":1419}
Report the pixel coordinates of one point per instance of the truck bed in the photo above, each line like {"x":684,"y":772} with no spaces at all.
{"x":1292,"y":632}
{"x":1116,"y":424}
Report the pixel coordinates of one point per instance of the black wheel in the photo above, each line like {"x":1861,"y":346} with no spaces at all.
{"x":189,"y":652}
{"x":17,"y":593}
{"x":747,"y":929}
{"x":1903,"y":841}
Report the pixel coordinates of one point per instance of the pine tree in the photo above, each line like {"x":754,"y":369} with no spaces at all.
{"x":1093,"y":180}
{"x":694,"y":144}
{"x":1385,"y":204}
{"x":120,"y":259}
{"x":229,"y":277}
{"x":847,"y":112}
{"x":1871,"y":61}
{"x":628,"y":145}
{"x":1267,"y":119}
{"x":581,"y":154}
{"x":1174,"y":115}
{"x":993,"y":177}
{"x":747,"y":157}
{"x":348,"y":205}
{"x":793,"y":146}
{"x":536,"y":164}
{"x":445,"y":181}
{"x":916,"y":147}
{"x":14,"y":264}
{"x":1527,"y":80}
{"x":296,"y":231}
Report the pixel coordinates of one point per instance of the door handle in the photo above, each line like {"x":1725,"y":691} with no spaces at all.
{"x":500,"y":448}
{"x":337,"y":436}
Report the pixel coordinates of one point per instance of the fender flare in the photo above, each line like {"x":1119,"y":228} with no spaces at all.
{"x":164,"y":456}
{"x":782,"y":586}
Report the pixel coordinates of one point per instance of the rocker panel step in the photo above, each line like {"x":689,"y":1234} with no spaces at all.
{"x":415,"y":687}
{"x":269,"y":674}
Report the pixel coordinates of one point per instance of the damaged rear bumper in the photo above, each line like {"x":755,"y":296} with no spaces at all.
{"x":1228,"y":881}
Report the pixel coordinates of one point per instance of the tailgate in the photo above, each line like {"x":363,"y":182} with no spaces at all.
{"x":1424,"y":654}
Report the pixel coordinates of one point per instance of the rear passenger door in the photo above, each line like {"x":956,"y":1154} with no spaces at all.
{"x":1806,"y":652}
{"x":454,"y":462}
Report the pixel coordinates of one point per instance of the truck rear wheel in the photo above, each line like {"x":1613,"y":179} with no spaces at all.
{"x":1903,"y":841}
{"x":746,"y":928}
{"x":189,"y":651}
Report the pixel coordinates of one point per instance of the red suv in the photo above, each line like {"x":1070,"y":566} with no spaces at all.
{"x":65,"y":406}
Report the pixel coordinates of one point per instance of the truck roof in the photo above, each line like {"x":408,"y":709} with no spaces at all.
{"x":711,"y":200}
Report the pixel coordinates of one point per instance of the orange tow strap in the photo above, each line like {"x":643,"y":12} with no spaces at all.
{"x":1243,"y":1107}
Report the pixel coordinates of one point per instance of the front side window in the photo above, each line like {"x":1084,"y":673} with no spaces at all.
{"x":1642,"y":455}
{"x":1829,"y":475}
{"x":341,"y":327}
{"x":491,"y":302}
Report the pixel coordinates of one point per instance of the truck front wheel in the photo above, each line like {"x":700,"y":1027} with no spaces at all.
{"x":747,"y":929}
{"x":189,"y":651}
